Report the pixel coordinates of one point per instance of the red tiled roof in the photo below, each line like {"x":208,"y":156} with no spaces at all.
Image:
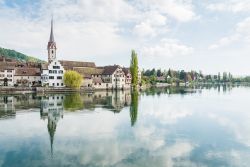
{"x":28,"y":72}
{"x":68,"y":65}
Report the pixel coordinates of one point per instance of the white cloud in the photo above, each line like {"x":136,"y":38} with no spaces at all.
{"x":144,"y":29}
{"x":225,"y":41}
{"x":243,"y":27}
{"x":153,"y":23}
{"x":241,"y":33}
{"x":181,"y":10}
{"x":231,"y":6}
{"x":167,"y":48}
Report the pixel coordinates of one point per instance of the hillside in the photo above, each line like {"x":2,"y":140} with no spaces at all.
{"x":12,"y":54}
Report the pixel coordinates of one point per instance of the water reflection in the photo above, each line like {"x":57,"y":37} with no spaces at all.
{"x":167,"y":127}
{"x":134,"y":107}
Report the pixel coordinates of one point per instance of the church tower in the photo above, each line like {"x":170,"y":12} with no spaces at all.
{"x":51,"y":45}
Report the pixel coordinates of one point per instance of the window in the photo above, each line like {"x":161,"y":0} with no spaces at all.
{"x":9,"y":76}
{"x":62,"y":85}
{"x":9,"y":70}
{"x":51,"y":77}
{"x":60,"y":71}
{"x":56,"y":67}
{"x":57,"y":84}
{"x":59,"y":77}
{"x":53,"y":85}
{"x":50,"y":71}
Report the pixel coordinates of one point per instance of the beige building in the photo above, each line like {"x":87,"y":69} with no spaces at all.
{"x":27,"y":76}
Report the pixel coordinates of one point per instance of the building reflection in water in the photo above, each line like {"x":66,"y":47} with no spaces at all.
{"x":7,"y":107}
{"x":53,"y":106}
{"x":52,"y":109}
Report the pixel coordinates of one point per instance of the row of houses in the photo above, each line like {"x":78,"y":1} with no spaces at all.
{"x":50,"y":74}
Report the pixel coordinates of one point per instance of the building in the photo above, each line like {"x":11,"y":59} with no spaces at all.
{"x":7,"y":76}
{"x":27,"y":76}
{"x":52,"y":73}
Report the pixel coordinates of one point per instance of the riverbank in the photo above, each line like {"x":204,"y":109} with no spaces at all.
{"x":43,"y":90}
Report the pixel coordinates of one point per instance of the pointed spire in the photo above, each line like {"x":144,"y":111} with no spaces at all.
{"x":51,"y":39}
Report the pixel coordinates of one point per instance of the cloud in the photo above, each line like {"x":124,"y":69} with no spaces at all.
{"x":225,"y":41}
{"x":241,"y":33}
{"x":144,"y":29}
{"x":182,"y":10}
{"x":80,"y":26}
{"x":153,"y":23}
{"x":167,"y":48}
{"x":234,"y":6}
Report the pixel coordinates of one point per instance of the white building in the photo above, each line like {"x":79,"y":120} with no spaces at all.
{"x":52,"y":73}
{"x":7,"y":76}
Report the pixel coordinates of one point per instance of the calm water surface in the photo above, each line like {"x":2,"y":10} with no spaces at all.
{"x":200,"y":127}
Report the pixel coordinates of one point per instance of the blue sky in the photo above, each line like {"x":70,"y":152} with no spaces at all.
{"x":211,"y":36}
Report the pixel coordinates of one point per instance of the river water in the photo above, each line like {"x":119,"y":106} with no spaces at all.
{"x":154,"y":128}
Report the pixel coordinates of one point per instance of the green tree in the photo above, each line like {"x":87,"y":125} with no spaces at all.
{"x":159,"y":73}
{"x":225,"y":77}
{"x":219,"y":77}
{"x":73,"y":79}
{"x":134,"y":68}
{"x":182,"y":75}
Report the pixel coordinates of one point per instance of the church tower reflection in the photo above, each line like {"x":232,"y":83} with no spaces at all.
{"x":52,"y":109}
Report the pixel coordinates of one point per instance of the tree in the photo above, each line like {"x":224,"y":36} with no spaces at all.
{"x":72,"y":79}
{"x":153,"y":72}
{"x":219,"y":76}
{"x":225,"y":77}
{"x":182,"y":75}
{"x":134,"y":68}
{"x":170,"y":74}
{"x":159,"y":73}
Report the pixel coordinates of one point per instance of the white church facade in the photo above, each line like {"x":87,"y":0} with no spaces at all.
{"x":52,"y":73}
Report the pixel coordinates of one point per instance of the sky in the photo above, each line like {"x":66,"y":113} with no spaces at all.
{"x":212,"y":36}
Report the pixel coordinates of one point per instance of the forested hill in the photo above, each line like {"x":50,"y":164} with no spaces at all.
{"x":12,"y":54}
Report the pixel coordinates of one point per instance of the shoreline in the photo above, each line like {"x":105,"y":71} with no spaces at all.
{"x":44,"y":90}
